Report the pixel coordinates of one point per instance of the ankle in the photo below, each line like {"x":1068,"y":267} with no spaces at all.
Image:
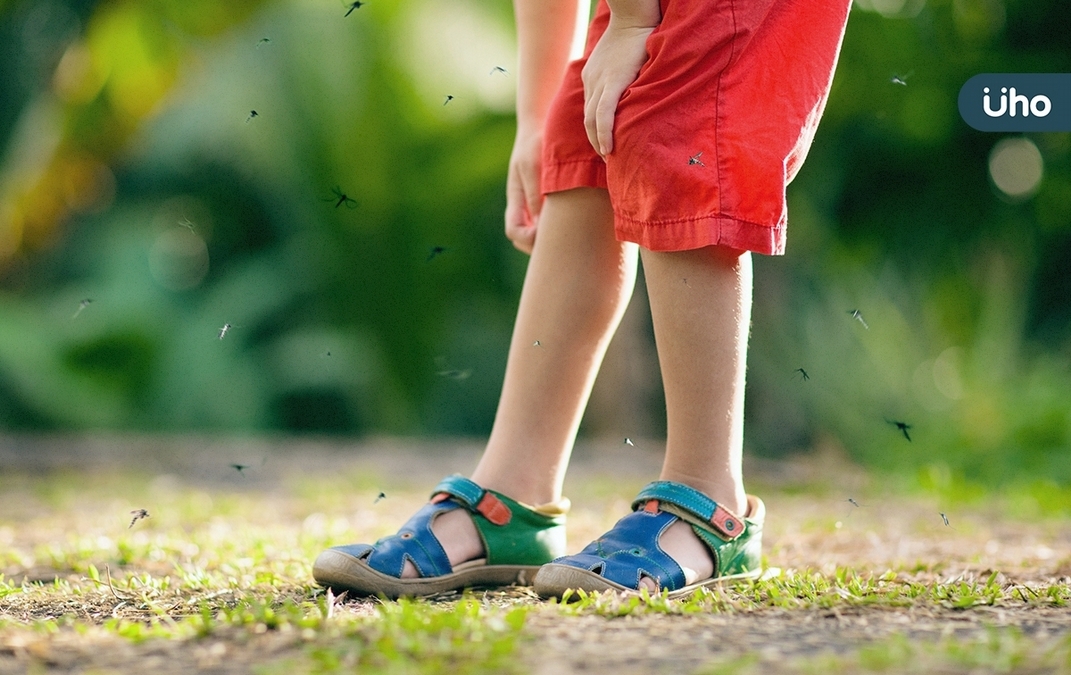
{"x":729,"y":494}
{"x":520,"y":488}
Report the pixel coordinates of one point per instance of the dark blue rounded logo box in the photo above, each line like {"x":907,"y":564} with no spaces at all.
{"x":1017,"y":102}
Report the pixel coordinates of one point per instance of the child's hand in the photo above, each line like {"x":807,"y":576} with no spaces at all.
{"x":611,"y":68}
{"x":523,"y":194}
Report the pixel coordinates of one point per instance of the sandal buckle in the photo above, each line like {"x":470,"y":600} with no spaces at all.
{"x":726,"y":523}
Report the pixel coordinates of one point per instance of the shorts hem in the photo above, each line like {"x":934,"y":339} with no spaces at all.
{"x":693,"y":233}
{"x":570,"y":174}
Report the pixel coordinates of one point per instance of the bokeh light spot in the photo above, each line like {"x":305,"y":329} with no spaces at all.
{"x":979,"y":20}
{"x":178,"y":259}
{"x":946,"y":373}
{"x":1016,"y":167}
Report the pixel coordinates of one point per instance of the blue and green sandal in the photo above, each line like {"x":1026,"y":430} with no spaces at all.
{"x":622,"y":557}
{"x":517,"y":539}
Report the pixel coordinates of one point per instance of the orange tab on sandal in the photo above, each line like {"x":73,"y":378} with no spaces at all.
{"x":494,"y":510}
{"x":725,"y":522}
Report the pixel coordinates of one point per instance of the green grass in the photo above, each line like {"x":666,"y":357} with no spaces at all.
{"x":465,"y":636}
{"x":230,"y":565}
{"x":999,"y":651}
{"x":803,"y":590}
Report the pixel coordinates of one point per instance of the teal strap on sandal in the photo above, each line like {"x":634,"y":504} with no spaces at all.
{"x":517,"y":539}
{"x":620,"y":559}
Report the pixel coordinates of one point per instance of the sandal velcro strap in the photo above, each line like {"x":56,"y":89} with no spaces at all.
{"x":724,"y":522}
{"x":474,"y":498}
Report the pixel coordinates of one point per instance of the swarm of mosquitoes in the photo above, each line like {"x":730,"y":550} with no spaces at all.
{"x":901,"y":426}
{"x":340,"y":198}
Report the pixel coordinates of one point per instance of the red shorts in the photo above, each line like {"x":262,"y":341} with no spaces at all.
{"x":715,"y":126}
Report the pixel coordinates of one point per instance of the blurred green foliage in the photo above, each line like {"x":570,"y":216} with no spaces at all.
{"x":966,"y":289}
{"x":135,"y":175}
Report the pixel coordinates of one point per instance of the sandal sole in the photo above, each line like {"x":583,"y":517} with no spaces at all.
{"x":343,"y":572}
{"x":554,"y":579}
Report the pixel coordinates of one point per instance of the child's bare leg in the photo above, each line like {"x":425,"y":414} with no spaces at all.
{"x":576,"y":289}
{"x":701,"y":309}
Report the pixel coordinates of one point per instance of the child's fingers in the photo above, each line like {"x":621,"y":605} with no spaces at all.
{"x":599,"y":113}
{"x":612,"y":66}
{"x":521,"y":211}
{"x":524,"y":196}
{"x":599,"y":110}
{"x":590,"y":98}
{"x":523,"y":238}
{"x":590,"y":126}
{"x":533,"y":193}
{"x":605,"y":110}
{"x":520,"y":228}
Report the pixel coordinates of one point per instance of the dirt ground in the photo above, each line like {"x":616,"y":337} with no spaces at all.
{"x":822,"y":514}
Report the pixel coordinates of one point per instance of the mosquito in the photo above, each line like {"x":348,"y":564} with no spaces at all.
{"x":455,"y":374}
{"x":858,"y":316}
{"x":902,"y":426}
{"x":852,"y":502}
{"x":187,"y":223}
{"x":498,"y":69}
{"x":354,"y":5}
{"x":435,"y":250}
{"x":537,"y":343}
{"x":448,"y":99}
{"x":380,"y":497}
{"x":263,"y":41}
{"x":240,"y":468}
{"x":901,"y":79}
{"x":628,"y":441}
{"x":81,"y":305}
{"x":944,"y":517}
{"x":138,"y":515}
{"x":252,"y":114}
{"x":341,"y":198}
{"x":694,"y":159}
{"x":803,"y":374}
{"x":223,"y":331}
